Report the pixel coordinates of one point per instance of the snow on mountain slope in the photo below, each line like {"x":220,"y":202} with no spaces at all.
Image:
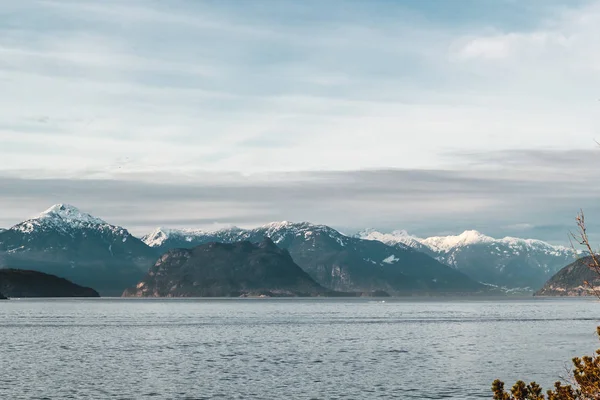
{"x":277,"y":231}
{"x":338,"y":261}
{"x":70,"y":215}
{"x":447,"y":243}
{"x":467,"y":238}
{"x":509,"y":261}
{"x":393,"y":238}
{"x":66,"y":218}
{"x":280,"y":231}
{"x":161,"y":235}
{"x":69,"y":243}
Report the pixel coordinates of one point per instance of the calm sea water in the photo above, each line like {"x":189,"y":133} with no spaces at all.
{"x":286,"y":349}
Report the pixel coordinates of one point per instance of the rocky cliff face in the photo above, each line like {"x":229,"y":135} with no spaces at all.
{"x":571,"y":281}
{"x":226,"y":270}
{"x":337,"y":261}
{"x":23,"y":283}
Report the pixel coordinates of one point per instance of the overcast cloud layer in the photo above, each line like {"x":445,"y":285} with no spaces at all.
{"x":429,"y":116}
{"x":533,"y":194}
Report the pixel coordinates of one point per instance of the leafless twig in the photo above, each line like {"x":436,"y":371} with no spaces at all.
{"x":590,"y":258}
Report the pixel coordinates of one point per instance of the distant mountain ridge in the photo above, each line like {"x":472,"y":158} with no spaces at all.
{"x":163,"y":237}
{"x":69,"y":243}
{"x":509,"y":262}
{"x":334,"y":260}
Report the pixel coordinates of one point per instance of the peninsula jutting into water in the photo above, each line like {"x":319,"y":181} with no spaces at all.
{"x":24,"y":283}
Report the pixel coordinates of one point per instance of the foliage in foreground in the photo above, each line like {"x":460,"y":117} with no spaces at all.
{"x":585,"y":386}
{"x":586,"y":372}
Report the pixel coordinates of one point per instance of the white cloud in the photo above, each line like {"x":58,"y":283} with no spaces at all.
{"x":565,"y":43}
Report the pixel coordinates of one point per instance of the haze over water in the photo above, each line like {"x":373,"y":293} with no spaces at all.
{"x":293,"y":349}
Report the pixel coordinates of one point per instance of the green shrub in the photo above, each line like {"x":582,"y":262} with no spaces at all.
{"x":585,"y":385}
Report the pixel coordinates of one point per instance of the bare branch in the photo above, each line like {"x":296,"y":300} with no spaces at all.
{"x":590,"y":258}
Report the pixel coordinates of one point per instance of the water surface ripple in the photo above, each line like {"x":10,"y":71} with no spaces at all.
{"x":286,"y":349}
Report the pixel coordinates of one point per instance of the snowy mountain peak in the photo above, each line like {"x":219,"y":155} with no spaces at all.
{"x":161,"y":235}
{"x":61,"y":208}
{"x":467,"y":238}
{"x":287,"y":228}
{"x":511,"y":262}
{"x":395,"y":237}
{"x":168,"y":232}
{"x":277,"y":231}
{"x":67,"y":219}
{"x":156,"y":237}
{"x":445,"y":243}
{"x":229,"y":229}
{"x":278,"y":225}
{"x":70,"y":214}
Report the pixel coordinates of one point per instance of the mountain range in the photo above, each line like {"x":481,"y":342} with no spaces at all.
{"x":507,"y":262}
{"x":337,"y":261}
{"x":510,"y":263}
{"x":91,"y":252}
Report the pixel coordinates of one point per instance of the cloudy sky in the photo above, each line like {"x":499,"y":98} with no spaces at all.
{"x":432,"y":116}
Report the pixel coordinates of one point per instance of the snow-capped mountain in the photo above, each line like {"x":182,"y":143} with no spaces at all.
{"x":510,"y":262}
{"x":334,"y":260}
{"x":399,"y":237}
{"x":60,"y":216}
{"x":165,"y":238}
{"x":67,"y":242}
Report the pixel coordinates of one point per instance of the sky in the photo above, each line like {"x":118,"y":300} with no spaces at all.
{"x":431,"y":116}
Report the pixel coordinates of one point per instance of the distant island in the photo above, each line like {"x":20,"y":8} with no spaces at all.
{"x":3,"y":297}
{"x":26,"y":283}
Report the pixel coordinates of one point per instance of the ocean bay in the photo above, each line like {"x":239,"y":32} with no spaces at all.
{"x":415,"y":348}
